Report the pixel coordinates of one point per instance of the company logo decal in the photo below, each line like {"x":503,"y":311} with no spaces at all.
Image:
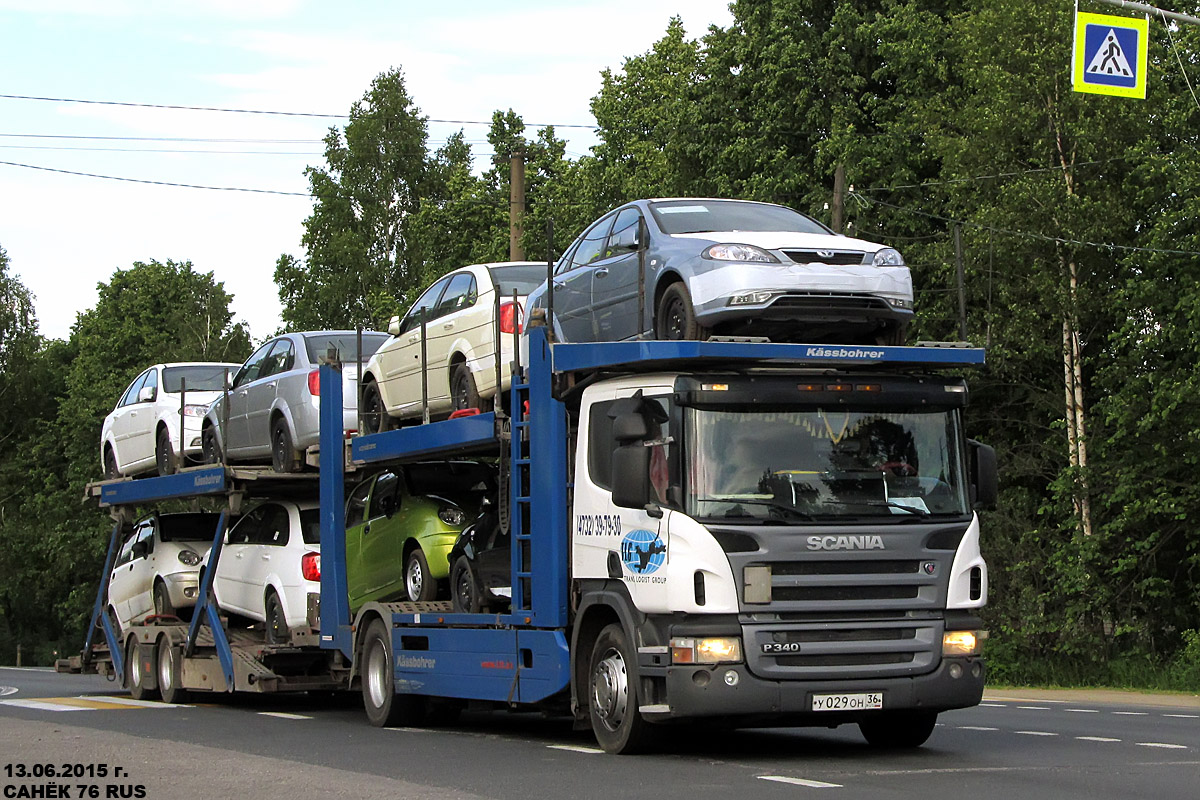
{"x":845,"y":543}
{"x":643,"y":552}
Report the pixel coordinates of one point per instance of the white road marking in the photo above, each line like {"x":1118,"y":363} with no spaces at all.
{"x":282,"y":715}
{"x":129,"y":701}
{"x":1034,"y":708}
{"x":1036,"y":733}
{"x":1183,"y":716}
{"x":976,"y":728}
{"x":800,"y":782}
{"x":1132,"y":713}
{"x":43,"y":706}
{"x":1083,"y":710}
{"x":5,"y":691}
{"x":574,"y":748}
{"x":992,"y":705}
{"x":1163,"y":745}
{"x":1096,"y":739}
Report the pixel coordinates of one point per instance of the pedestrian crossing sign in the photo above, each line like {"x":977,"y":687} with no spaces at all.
{"x":1110,"y":55}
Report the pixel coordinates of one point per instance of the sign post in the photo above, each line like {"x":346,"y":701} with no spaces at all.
{"x":1110,"y":55}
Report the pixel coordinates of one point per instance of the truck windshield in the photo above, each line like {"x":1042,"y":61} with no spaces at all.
{"x":799,"y":465}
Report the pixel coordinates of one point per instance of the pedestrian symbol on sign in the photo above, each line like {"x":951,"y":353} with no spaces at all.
{"x":1110,"y":59}
{"x":1110,"y":55}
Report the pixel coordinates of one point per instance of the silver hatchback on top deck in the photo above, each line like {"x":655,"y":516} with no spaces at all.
{"x":726,"y":267}
{"x":274,"y":401}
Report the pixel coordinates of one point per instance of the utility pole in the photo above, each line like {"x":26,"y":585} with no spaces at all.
{"x":839,"y":197}
{"x":516,"y":206}
{"x":962,"y":288}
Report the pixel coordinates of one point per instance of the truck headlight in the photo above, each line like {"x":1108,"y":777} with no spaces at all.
{"x":713,"y":650}
{"x":963,"y":643}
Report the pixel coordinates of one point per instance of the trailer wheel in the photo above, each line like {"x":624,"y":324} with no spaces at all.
{"x":613,"y":694}
{"x":168,"y":672}
{"x":384,"y":707}
{"x":898,"y":729}
{"x":135,"y":677}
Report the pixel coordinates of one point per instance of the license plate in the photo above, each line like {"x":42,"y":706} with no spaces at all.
{"x":866,"y":701}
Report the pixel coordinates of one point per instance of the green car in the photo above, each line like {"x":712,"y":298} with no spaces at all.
{"x":401,"y":524}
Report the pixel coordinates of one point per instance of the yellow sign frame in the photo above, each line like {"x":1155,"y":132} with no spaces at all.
{"x":1141,"y":29}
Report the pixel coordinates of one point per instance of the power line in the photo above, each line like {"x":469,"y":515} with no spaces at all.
{"x":156,"y":139}
{"x":1016,"y":174}
{"x":161,"y":150}
{"x":156,"y":183}
{"x":268,"y":112}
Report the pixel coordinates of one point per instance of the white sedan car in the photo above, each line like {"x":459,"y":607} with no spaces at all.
{"x":142,"y":433}
{"x":157,"y":569}
{"x":460,"y":311}
{"x":270,"y":568}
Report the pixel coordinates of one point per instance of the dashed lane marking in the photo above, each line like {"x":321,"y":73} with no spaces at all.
{"x":1036,"y":733}
{"x":1132,"y":713}
{"x":282,"y":715}
{"x":1163,"y":745}
{"x":574,"y":748}
{"x":993,"y":705}
{"x":1183,"y":716}
{"x":800,"y":782}
{"x":1096,"y":739}
{"x":1083,"y":710}
{"x":976,"y":728}
{"x":1034,"y":708}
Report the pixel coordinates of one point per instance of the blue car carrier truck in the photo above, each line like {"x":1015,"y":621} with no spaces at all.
{"x":761,"y":534}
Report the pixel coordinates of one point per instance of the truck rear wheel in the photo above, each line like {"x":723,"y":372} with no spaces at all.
{"x":613,"y":694}
{"x":135,"y":676}
{"x":898,"y":729}
{"x":384,"y":707}
{"x":168,"y":673}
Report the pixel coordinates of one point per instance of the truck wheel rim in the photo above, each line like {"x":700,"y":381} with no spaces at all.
{"x":377,"y":688}
{"x":610,"y":689}
{"x":135,"y":667}
{"x":164,"y":667}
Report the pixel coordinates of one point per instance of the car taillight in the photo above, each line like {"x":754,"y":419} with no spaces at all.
{"x":510,"y":317}
{"x":310,"y":566}
{"x":314,"y":383}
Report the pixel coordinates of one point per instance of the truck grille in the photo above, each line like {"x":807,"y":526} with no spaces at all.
{"x":892,"y":584}
{"x":827,"y":651}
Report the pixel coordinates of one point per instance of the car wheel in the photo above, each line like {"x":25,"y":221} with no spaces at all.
{"x":613,"y":694}
{"x":384,"y":707}
{"x":162,"y":600}
{"x":164,"y":454}
{"x":417,"y":580}
{"x":135,"y":677}
{"x":168,"y":659}
{"x":276,"y":623}
{"x":209,"y":446}
{"x":465,"y":592}
{"x":375,"y":418}
{"x":676,"y":317}
{"x":898,"y":729}
{"x":283,"y":454}
{"x":111,"y":471}
{"x":463,"y":390}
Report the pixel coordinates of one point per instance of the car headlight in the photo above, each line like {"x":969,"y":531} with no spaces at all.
{"x":887,"y":257}
{"x":712,"y":650}
{"x":451,"y":516}
{"x":194,"y":411}
{"x":739,"y":252}
{"x":963,"y":643}
{"x":189,"y":557}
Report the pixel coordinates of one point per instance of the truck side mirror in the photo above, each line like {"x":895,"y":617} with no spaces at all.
{"x":631,"y":475}
{"x":985,"y":481}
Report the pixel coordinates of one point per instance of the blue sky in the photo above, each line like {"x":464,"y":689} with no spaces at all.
{"x":65,"y":233}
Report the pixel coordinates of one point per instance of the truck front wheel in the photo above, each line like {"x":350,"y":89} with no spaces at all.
{"x":613,"y":693}
{"x":384,"y":707}
{"x":898,"y":729}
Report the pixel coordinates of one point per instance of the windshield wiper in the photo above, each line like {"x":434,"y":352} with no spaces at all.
{"x":785,"y":509}
{"x":878,"y":504}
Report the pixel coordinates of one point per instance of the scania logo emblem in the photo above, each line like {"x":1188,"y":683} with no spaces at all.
{"x":930,"y":567}
{"x":825,"y":253}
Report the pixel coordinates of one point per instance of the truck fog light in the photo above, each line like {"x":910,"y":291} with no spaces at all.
{"x":715,"y":650}
{"x":963,"y":643}
{"x":731,"y":678}
{"x":956,"y":671}
{"x":701,"y":677}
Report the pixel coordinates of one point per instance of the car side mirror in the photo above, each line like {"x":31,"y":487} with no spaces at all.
{"x":985,"y":480}
{"x":147,"y":394}
{"x":394,"y":326}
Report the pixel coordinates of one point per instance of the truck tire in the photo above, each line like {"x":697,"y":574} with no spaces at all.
{"x":169,"y":685}
{"x":384,"y":707}
{"x":896,"y":730}
{"x":135,"y":677}
{"x":613,"y":694}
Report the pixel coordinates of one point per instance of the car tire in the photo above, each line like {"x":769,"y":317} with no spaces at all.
{"x":898,"y":730}
{"x":465,"y":594}
{"x":463,"y":390}
{"x":275,"y":622}
{"x":168,"y":659}
{"x":111,"y":471}
{"x":375,"y":418}
{"x":675,"y":319}
{"x":135,"y":678}
{"x":162,"y":601}
{"x":613,"y":694}
{"x":284,"y":457}
{"x":418,"y":583}
{"x":164,"y":454}
{"x":210,"y":448}
{"x":384,"y":707}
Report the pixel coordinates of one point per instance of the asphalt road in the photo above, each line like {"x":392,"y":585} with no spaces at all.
{"x":1016,"y":745}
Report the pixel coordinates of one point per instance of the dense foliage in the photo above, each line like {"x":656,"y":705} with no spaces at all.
{"x":1077,"y":217}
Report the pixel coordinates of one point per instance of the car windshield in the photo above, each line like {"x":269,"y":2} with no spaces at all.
{"x":187,"y":527}
{"x":319,"y":345}
{"x":519,"y":278}
{"x":310,"y":525}
{"x":706,"y":216}
{"x":798,"y":465}
{"x":450,"y":479}
{"x":199,"y":378}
